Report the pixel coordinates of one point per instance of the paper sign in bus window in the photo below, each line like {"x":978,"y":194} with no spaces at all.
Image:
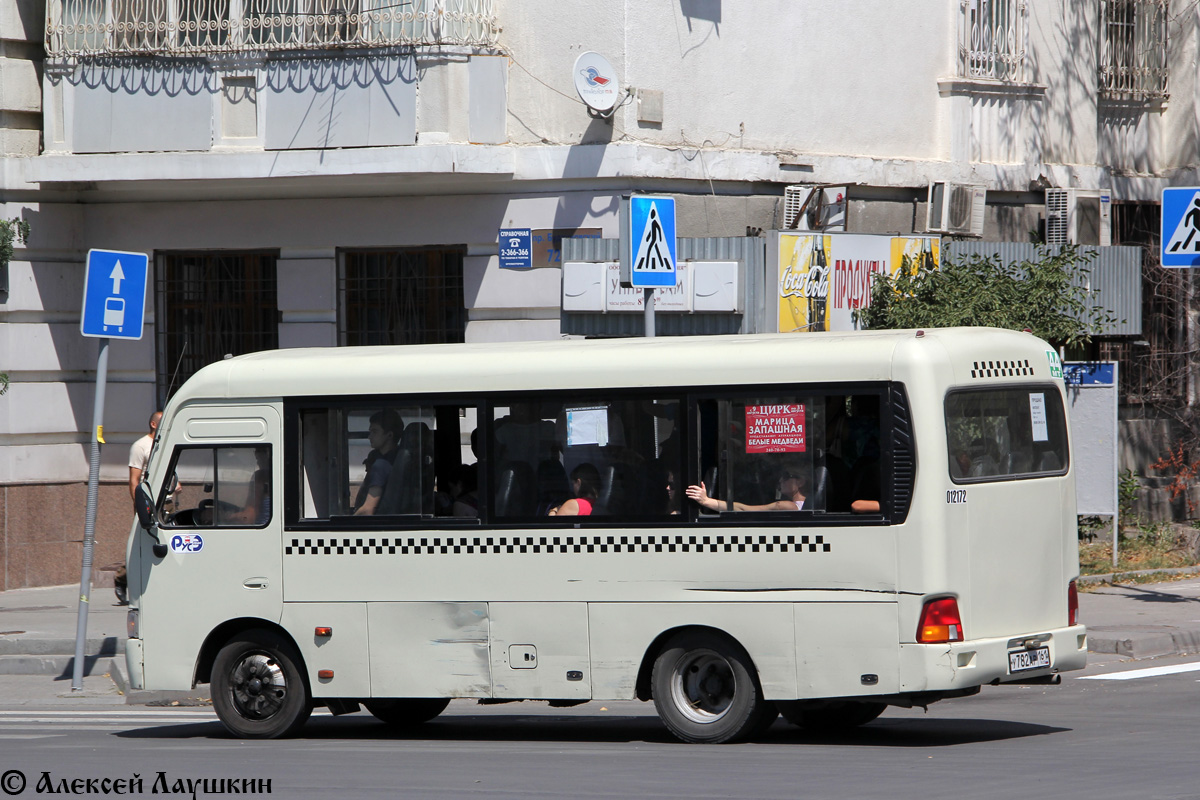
{"x":587,"y":426}
{"x":775,"y":429}
{"x":1037,"y":417}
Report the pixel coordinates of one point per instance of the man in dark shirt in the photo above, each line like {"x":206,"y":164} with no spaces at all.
{"x":383,"y":434}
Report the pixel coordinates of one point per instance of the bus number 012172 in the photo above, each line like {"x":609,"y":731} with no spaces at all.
{"x":956,"y":496}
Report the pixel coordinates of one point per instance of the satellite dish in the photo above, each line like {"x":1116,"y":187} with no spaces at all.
{"x":596,"y":82}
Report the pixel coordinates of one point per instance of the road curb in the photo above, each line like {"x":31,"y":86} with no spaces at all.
{"x":1116,"y":577}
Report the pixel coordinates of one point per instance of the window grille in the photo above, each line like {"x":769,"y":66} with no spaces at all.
{"x":1154,"y":368}
{"x":1133,"y":49}
{"x":992,"y":39}
{"x":409,"y":296}
{"x":209,"y":305}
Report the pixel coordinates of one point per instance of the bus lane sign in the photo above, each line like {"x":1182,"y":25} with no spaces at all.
{"x":775,"y":429}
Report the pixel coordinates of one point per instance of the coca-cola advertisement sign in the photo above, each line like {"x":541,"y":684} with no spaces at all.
{"x":775,"y":429}
{"x":825,"y":278}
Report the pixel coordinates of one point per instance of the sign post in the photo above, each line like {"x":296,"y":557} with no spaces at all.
{"x":648,"y":247}
{"x":114,"y":303}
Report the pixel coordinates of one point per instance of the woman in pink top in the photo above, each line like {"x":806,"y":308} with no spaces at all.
{"x":585,"y":482}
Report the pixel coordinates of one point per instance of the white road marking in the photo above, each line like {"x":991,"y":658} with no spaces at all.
{"x":1134,"y":674}
{"x":31,"y":735}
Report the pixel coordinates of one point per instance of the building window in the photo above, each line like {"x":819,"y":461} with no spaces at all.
{"x":409,"y":296}
{"x":1154,"y":368}
{"x":992,"y":40}
{"x":209,"y":305}
{"x":1133,"y":50}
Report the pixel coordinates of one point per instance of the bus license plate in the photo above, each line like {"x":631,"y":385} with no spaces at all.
{"x":1023,"y":660}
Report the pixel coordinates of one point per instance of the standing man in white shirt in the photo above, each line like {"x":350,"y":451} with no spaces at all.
{"x":139,"y":458}
{"x":139,"y":454}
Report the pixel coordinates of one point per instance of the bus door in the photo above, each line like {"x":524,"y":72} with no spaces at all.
{"x":219,"y":516}
{"x":1009,"y":472}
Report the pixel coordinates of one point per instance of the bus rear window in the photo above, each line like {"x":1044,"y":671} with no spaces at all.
{"x":1006,"y":433}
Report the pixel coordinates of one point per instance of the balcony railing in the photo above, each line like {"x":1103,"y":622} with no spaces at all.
{"x":76,"y":28}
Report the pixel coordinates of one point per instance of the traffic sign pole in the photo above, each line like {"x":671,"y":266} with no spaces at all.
{"x":89,"y":527}
{"x":649,"y":303}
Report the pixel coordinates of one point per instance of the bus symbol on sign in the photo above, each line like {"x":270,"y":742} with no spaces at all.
{"x":114,"y":313}
{"x":186,"y":543}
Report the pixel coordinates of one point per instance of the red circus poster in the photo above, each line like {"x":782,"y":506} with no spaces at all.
{"x":775,"y":429}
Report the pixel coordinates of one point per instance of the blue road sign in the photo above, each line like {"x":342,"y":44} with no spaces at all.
{"x":1180,"y":233}
{"x":652,"y":241}
{"x":516,"y":248}
{"x":114,"y":294}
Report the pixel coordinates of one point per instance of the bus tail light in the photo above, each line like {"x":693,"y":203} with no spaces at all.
{"x":940,"y":622}
{"x":1072,"y":604}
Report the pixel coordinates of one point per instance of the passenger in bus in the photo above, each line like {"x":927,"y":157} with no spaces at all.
{"x":792,"y":485}
{"x":383,"y":434}
{"x":257,"y":510}
{"x":585,"y":482}
{"x":463,"y":485}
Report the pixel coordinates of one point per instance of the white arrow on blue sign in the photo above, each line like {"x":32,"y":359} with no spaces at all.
{"x":114,"y":294}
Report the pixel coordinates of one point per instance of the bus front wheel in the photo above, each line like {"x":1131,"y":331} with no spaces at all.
{"x":258,"y":690}
{"x":705,"y":690}
{"x":406,"y":712}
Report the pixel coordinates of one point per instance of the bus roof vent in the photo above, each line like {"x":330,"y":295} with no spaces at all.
{"x":1001,"y":368}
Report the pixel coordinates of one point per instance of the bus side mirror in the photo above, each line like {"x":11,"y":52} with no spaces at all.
{"x":143,"y":503}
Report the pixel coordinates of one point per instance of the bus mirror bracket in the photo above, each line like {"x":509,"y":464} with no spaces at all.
{"x":144,"y":505}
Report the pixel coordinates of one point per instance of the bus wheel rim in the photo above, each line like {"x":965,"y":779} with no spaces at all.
{"x":703,"y":686}
{"x":258,"y":686}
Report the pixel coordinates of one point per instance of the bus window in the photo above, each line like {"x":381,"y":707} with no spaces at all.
{"x":386,"y":460}
{"x":1005,"y":433}
{"x":819,"y":452}
{"x":619,"y":457}
{"x":221,"y":487}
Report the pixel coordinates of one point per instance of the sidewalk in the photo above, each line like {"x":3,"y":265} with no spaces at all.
{"x":37,"y":650}
{"x":37,"y":639}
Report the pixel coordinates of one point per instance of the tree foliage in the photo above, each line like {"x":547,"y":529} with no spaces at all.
{"x":974,"y":289}
{"x":11,"y":232}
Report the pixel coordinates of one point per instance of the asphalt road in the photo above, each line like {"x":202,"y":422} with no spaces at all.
{"x":1086,"y":738}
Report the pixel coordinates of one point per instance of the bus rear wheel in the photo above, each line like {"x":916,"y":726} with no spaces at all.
{"x":401,"y":713}
{"x":830,"y":715}
{"x":705,"y":690}
{"x":258,"y":690}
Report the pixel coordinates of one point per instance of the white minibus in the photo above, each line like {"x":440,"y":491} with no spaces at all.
{"x":734,"y":527}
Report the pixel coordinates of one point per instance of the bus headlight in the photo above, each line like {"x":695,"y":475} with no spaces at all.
{"x":132,"y":629}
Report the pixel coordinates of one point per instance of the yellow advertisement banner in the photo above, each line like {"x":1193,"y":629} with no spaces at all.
{"x":824,"y":278}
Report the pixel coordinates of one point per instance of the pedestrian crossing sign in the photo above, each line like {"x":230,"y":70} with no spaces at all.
{"x":1181,"y":227}
{"x":651,"y":241}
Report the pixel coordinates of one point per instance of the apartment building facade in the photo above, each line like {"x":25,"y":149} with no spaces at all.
{"x":335,"y":172}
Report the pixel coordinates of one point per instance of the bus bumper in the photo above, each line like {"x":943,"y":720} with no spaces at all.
{"x":960,"y":665}
{"x":133,"y":664}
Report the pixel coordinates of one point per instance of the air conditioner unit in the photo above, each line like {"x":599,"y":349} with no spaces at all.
{"x":794,"y":198}
{"x":1079,"y":216}
{"x":956,"y":208}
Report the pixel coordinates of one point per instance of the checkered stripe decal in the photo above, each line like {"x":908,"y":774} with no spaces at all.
{"x":1001,"y":369}
{"x":423,"y":545}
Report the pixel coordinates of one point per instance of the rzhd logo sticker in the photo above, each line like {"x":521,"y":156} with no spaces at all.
{"x":186,"y":543}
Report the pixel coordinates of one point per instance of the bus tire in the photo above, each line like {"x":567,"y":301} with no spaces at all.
{"x":830,"y":715}
{"x":258,"y":689}
{"x":705,"y":690}
{"x":401,"y":713}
